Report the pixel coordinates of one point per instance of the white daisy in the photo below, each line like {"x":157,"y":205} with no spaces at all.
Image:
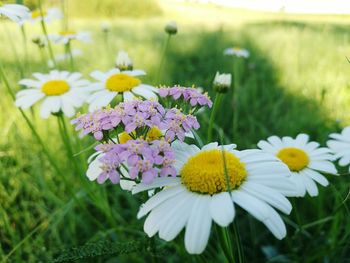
{"x":14,"y":12}
{"x":48,"y":16}
{"x":59,"y":91}
{"x":236,"y":51}
{"x":306,"y":160}
{"x":258,"y":183}
{"x":340,"y":146}
{"x":114,"y":82}
{"x":65,"y":37}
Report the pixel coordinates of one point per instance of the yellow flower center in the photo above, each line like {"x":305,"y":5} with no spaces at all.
{"x":67,"y":33}
{"x":121,"y":82}
{"x":37,"y":13}
{"x":153,"y":134}
{"x":124,"y":137}
{"x":205,"y":172}
{"x":294,"y":158}
{"x":55,"y":87}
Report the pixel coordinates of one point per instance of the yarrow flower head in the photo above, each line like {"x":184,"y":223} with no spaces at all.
{"x":236,"y":51}
{"x":123,"y":61}
{"x":222,"y":82}
{"x":144,"y":160}
{"x":306,"y":161}
{"x":190,"y":95}
{"x":14,"y":12}
{"x":64,"y":37}
{"x":59,"y":91}
{"x":211,"y":180}
{"x":339,"y":145}
{"x":114,"y":82}
{"x":137,"y":116}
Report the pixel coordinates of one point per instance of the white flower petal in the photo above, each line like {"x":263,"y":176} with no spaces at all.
{"x":221,"y":209}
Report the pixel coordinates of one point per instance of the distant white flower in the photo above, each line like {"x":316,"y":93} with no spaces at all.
{"x":123,"y":61}
{"x":171,"y":27}
{"x":59,"y":91}
{"x":238,"y":52}
{"x":340,"y":146}
{"x":105,"y":26}
{"x":48,"y":16}
{"x":65,"y":56}
{"x":222,"y":82}
{"x":14,"y":12}
{"x":65,"y":37}
{"x":306,"y":160}
{"x":114,"y":82}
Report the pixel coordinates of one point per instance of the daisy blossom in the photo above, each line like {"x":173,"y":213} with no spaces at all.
{"x":257,"y":182}
{"x":236,"y":51}
{"x":114,"y":82}
{"x":340,"y":146}
{"x":14,"y":12}
{"x":65,"y":37}
{"x":47,"y":15}
{"x":58,"y":91}
{"x":306,"y":160}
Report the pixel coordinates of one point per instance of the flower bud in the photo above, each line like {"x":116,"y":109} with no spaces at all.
{"x":222,"y":82}
{"x":105,"y":27}
{"x":123,"y":61}
{"x":171,"y":28}
{"x":40,"y":41}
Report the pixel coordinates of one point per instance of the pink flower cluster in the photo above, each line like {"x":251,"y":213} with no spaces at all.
{"x":145,"y":160}
{"x":133,"y":115}
{"x":191,"y":95}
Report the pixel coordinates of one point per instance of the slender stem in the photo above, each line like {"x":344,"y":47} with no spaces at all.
{"x":162,"y":59}
{"x":70,"y":54}
{"x":235,"y":95}
{"x":216,"y":105}
{"x":43,"y":26}
{"x":24,"y":36}
{"x":238,"y":242}
{"x":225,"y":244}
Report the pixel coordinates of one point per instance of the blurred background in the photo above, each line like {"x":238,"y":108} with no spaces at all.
{"x":295,"y":80}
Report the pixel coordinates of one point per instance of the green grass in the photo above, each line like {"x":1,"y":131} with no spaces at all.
{"x":296,"y":80}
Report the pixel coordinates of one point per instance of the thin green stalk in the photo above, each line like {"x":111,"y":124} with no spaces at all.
{"x":43,"y":26}
{"x":216,"y":105}
{"x":235,"y":95}
{"x":225,"y":243}
{"x":70,"y":54}
{"x":24,"y":37}
{"x":238,"y":241}
{"x":162,"y":59}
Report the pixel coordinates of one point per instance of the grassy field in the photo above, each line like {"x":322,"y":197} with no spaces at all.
{"x":296,"y":80}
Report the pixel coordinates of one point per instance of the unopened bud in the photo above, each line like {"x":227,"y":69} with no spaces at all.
{"x":171,"y":28}
{"x":222,"y":82}
{"x":123,"y":61}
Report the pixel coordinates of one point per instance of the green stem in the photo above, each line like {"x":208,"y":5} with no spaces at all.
{"x":162,"y":59}
{"x":70,"y":54}
{"x":216,"y":105}
{"x":24,"y":36}
{"x":238,"y":241}
{"x":43,"y":26}
{"x":235,"y":97}
{"x":225,"y":243}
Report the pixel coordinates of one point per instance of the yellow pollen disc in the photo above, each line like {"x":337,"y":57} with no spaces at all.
{"x":67,"y":33}
{"x":153,"y":134}
{"x":121,"y":82}
{"x":294,"y":158}
{"x":37,"y":13}
{"x":204,"y":172}
{"x":124,"y":137}
{"x":55,"y":87}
